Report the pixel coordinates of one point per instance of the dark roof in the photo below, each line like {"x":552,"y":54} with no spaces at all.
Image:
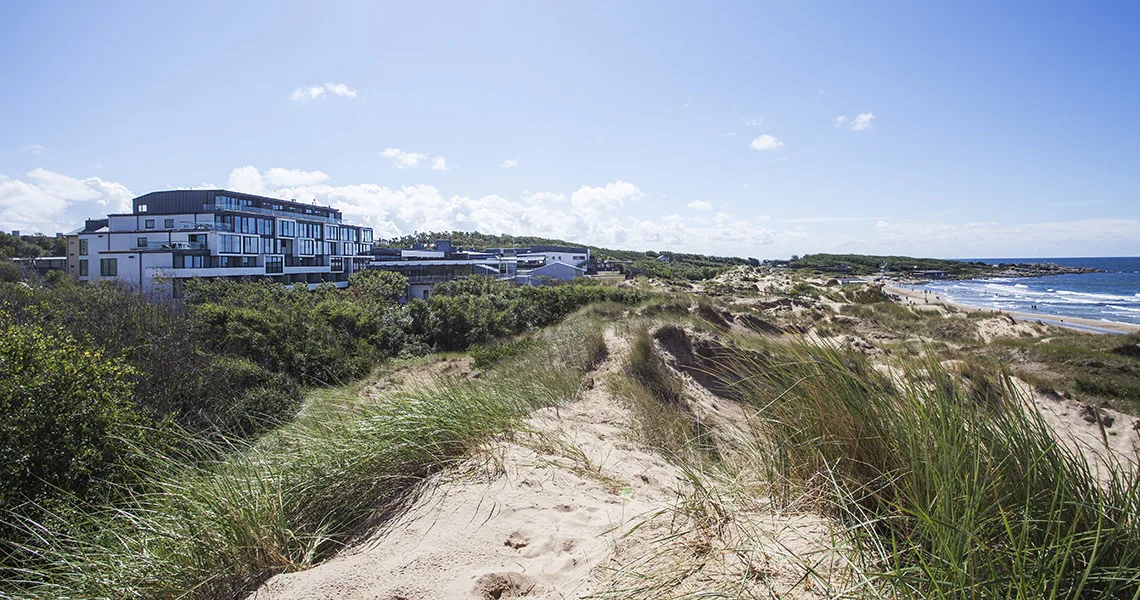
{"x":181,"y":201}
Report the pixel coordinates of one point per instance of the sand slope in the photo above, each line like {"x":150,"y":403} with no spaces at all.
{"x":532,"y":517}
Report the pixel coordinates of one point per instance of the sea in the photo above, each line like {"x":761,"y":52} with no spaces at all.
{"x":1113,"y":295}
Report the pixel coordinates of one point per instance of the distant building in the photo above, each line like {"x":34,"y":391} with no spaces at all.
{"x":172,"y":236}
{"x":41,"y":265}
{"x":925,"y":274}
{"x":426,"y":268}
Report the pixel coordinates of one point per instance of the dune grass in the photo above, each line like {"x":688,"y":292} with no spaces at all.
{"x":951,"y":490}
{"x":219,"y":528}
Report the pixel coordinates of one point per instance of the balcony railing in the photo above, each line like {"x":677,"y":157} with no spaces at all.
{"x":171,"y":246}
{"x":187,"y":226}
{"x":253,"y":210}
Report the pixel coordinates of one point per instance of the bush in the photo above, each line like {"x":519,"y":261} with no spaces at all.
{"x":9,"y":272}
{"x":380,"y":286}
{"x":66,"y":417}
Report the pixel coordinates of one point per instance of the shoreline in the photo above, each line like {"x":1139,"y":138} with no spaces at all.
{"x":1074,"y":323}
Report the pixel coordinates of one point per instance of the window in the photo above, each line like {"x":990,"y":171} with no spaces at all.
{"x":229,"y":244}
{"x":140,"y":243}
{"x":168,"y":223}
{"x":189,"y":261}
{"x":274,"y":264}
{"x":150,"y":223}
{"x":82,"y":247}
{"x":109,"y":267}
{"x":142,"y":208}
{"x":366,"y":236}
{"x":83,"y":268}
{"x":286,"y":228}
{"x":250,"y":245}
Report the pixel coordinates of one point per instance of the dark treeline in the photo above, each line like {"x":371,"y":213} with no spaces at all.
{"x":92,"y":374}
{"x":862,"y":264}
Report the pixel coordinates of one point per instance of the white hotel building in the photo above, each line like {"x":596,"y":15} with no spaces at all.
{"x":176,"y":235}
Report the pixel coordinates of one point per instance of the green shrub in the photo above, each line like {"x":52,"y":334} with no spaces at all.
{"x":66,"y":417}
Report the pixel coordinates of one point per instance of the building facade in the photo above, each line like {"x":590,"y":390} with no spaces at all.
{"x":176,"y":235}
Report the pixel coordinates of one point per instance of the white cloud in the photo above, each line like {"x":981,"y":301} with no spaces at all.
{"x":403,"y":160}
{"x":42,"y":200}
{"x":699,"y":205}
{"x":610,"y":197}
{"x":859,"y":123}
{"x":754,"y":122}
{"x":766,"y":142}
{"x":247,"y":179}
{"x":830,"y":219}
{"x":590,"y":214}
{"x":305,"y":94}
{"x":312,"y":92}
{"x":862,"y":121}
{"x":341,"y":90}
{"x":685,"y":105}
{"x":724,"y":135}
{"x":510,"y":163}
{"x":439,"y":163}
{"x":51,"y":202}
{"x":35,"y":148}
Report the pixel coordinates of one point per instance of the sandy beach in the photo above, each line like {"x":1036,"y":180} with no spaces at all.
{"x":1087,"y":325}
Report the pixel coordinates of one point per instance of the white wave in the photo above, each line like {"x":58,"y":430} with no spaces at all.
{"x":1108,"y":297}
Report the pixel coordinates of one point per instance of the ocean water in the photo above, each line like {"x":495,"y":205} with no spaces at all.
{"x":1110,"y":296}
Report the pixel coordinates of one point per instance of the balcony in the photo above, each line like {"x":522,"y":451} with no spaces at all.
{"x":281,"y":214}
{"x":187,"y":226}
{"x":171,"y":246}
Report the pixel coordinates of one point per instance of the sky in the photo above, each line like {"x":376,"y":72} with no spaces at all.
{"x":763,"y":129}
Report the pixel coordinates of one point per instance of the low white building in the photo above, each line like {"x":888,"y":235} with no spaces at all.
{"x":176,"y":235}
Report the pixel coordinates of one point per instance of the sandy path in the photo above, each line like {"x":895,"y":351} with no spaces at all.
{"x":533,"y":517}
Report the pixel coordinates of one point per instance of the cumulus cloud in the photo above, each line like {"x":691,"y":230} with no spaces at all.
{"x":51,"y":202}
{"x":510,"y":163}
{"x":312,"y":92}
{"x":699,"y":205}
{"x":607,"y":215}
{"x":859,"y":123}
{"x":766,"y":142}
{"x":607,"y":198}
{"x":439,"y":163}
{"x":594,"y":214}
{"x":403,"y":160}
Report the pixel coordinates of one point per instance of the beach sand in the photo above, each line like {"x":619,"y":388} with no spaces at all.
{"x":916,"y":297}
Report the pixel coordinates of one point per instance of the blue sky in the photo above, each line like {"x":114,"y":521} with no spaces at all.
{"x":968,"y":129}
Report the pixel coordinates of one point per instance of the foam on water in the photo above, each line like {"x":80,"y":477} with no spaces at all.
{"x":1113,"y":295}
